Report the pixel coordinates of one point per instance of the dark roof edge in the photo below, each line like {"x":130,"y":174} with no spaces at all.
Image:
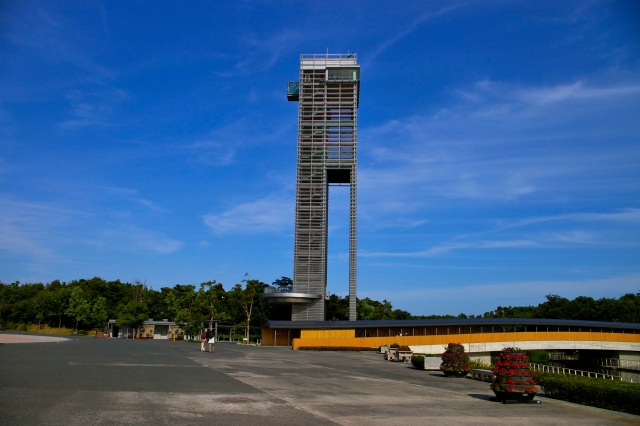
{"x":459,"y":322}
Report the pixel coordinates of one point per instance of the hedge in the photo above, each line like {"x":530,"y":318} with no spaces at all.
{"x":603,"y":393}
{"x":418,"y":361}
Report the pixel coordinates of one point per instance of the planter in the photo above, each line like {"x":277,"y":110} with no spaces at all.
{"x":391,"y":354}
{"x":403,"y":355}
{"x":458,"y":374}
{"x":455,"y":361}
{"x":513,"y":380}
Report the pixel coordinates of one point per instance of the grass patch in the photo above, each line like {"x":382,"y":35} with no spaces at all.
{"x":33,"y":328}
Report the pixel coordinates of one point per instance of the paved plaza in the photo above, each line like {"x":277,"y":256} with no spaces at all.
{"x":84,"y":380}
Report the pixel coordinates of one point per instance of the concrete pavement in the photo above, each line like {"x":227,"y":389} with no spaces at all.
{"x":114,"y":381}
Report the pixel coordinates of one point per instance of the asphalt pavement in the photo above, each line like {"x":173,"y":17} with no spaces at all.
{"x":86,"y":380}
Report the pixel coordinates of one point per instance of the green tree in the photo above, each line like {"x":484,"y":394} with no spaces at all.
{"x":283,"y":284}
{"x":134,"y":313}
{"x":241,"y":302}
{"x":78,"y":308}
{"x":41,"y":302}
{"x":211,"y":295}
{"x":172,"y":305}
{"x":248,"y":298}
{"x":337,"y":308}
{"x":99,"y":312}
{"x":364,"y":309}
{"x":58,"y":299}
{"x":190,"y":321}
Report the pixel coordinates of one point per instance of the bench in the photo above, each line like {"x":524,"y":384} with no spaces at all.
{"x":484,"y":375}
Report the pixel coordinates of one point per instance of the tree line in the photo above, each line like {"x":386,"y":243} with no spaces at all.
{"x":623,"y":309}
{"x":89,"y":304}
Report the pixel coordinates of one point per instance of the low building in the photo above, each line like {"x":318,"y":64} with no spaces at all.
{"x":150,"y":329}
{"x":480,"y":336}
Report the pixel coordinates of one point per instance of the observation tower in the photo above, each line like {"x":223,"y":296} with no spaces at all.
{"x":327,"y":95}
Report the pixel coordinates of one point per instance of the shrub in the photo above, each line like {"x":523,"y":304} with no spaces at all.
{"x":609,"y":394}
{"x":418,"y":361}
{"x":455,"y":359}
{"x":538,"y":356}
{"x":477,"y":363}
{"x":404,"y":348}
{"x":394,"y":345}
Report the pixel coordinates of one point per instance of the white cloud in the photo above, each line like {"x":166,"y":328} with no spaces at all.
{"x":271,"y":214}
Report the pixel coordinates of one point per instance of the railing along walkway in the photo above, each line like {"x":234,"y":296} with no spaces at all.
{"x":572,"y":371}
{"x":614,"y":363}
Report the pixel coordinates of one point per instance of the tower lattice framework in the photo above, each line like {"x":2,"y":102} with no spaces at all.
{"x":328,"y":96}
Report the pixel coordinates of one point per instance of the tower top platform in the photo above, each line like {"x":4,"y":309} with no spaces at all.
{"x":328,"y":60}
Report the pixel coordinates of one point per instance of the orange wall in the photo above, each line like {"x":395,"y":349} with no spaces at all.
{"x":372,"y":342}
{"x":282,"y":337}
{"x":327,"y":334}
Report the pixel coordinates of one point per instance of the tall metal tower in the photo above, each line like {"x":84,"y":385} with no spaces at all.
{"x":328,"y":95}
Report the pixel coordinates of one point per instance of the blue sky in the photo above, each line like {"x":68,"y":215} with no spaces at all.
{"x":499,"y":145}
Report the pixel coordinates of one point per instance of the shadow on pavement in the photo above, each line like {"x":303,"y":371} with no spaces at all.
{"x":483,"y":397}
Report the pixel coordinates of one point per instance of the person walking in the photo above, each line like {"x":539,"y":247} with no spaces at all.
{"x":203,"y":339}
{"x":211,"y":339}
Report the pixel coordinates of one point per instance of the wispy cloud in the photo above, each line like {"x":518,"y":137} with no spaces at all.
{"x":131,"y":238}
{"x":271,"y":214}
{"x":221,"y":146}
{"x":576,"y":91}
{"x":446,"y":248}
{"x":131,"y":194}
{"x":385,"y":44}
{"x":517,"y":234}
{"x":503,"y":143}
{"x":624,"y":215}
{"x":211,"y":152}
{"x":49,"y":40}
{"x":93,"y":108}
{"x":28,"y":229}
{"x":260,"y":52}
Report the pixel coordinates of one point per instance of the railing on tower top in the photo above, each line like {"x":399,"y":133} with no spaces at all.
{"x":329,"y":56}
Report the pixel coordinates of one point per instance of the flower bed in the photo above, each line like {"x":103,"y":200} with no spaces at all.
{"x":513,"y":378}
